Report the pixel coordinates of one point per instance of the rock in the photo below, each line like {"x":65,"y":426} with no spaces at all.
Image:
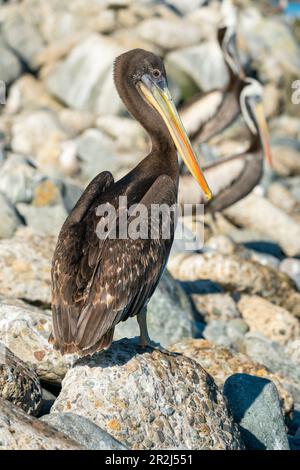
{"x":222,"y":244}
{"x":10,"y":67}
{"x":46,"y":220}
{"x":269,"y":38}
{"x":222,"y":363}
{"x":82,"y":81}
{"x":19,"y":383}
{"x":83,"y":431}
{"x":71,"y":193}
{"x":257,"y":213}
{"x":170,"y":316}
{"x":295,"y":441}
{"x":201,"y":65}
{"x":169,"y":34}
{"x":291,"y":267}
{"x":124,"y":131}
{"x":18,"y":431}
{"x":75,"y":121}
{"x":96,"y":152}
{"x":216,"y":332}
{"x":254,"y":403}
{"x":285,"y":154}
{"x":268,"y":319}
{"x":281,"y":197}
{"x":237,"y":275}
{"x":17,"y":179}
{"x":9,"y":218}
{"x":23,"y":37}
{"x":274,"y":357}
{"x":47,"y":402}
{"x":28,"y":93}
{"x":38,"y":134}
{"x":217,"y":306}
{"x":25,"y":331}
{"x":149,"y":400}
{"x":25,"y":264}
{"x":185,"y":6}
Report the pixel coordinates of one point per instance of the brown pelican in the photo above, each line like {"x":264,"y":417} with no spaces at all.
{"x":97,"y":283}
{"x":233,"y":178}
{"x":207,"y":114}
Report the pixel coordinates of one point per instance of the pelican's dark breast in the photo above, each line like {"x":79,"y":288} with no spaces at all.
{"x":99,"y":282}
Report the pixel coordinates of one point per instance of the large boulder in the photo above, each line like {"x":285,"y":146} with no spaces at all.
{"x":25,"y":264}
{"x":18,"y":431}
{"x":25,"y":329}
{"x":84,"y":79}
{"x":221,"y":363}
{"x":83,"y":431}
{"x":149,"y":400}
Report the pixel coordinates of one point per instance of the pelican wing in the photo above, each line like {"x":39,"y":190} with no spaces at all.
{"x":114,"y":278}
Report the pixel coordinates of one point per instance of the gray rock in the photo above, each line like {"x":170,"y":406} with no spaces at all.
{"x":18,"y":431}
{"x":70,"y":193}
{"x":96,"y":153}
{"x":201,"y":65}
{"x":274,"y":357}
{"x":149,"y":400}
{"x":46,"y":220}
{"x":216,"y":332}
{"x":25,"y":264}
{"x":84,"y":81}
{"x":19,"y":384}
{"x":169,"y":34}
{"x":169,"y":318}
{"x":185,"y":6}
{"x":9,"y":219}
{"x":17,"y":179}
{"x":10,"y":67}
{"x":83,"y":431}
{"x":23,"y":37}
{"x":254,"y":403}
{"x":25,"y":330}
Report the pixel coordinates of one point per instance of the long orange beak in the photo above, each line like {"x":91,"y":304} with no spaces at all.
{"x":263,"y":131}
{"x":158,"y":96}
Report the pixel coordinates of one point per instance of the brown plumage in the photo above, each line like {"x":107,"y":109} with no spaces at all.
{"x":97,"y":283}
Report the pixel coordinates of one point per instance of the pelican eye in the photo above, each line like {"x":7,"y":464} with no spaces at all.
{"x":156,"y":73}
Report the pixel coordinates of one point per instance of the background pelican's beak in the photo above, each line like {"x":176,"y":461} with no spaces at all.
{"x":158,"y":96}
{"x":263,"y":131}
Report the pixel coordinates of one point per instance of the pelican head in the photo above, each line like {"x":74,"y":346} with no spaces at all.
{"x":141,"y":80}
{"x":251,"y":101}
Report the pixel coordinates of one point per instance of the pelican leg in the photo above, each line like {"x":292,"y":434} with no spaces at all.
{"x":145,"y":340}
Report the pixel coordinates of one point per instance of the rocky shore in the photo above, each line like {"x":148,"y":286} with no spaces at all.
{"x":231,"y":311}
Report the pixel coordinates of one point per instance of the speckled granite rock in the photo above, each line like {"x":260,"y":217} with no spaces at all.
{"x":19,"y":383}
{"x":148,"y":400}
{"x":170,"y":316}
{"x":268,"y":319}
{"x":237,"y":274}
{"x":221,"y":363}
{"x":83,"y":431}
{"x":254,"y":403}
{"x":218,"y":306}
{"x":25,"y":263}
{"x":25,"y":330}
{"x":18,"y":431}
